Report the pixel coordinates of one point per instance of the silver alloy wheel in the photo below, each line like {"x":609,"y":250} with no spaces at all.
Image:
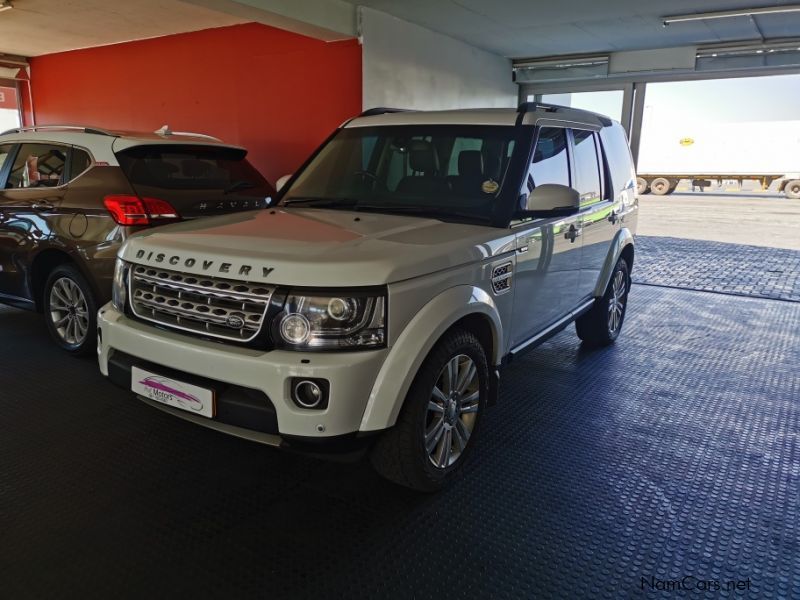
{"x":616,"y":304}
{"x":69,"y":311}
{"x":452,"y":411}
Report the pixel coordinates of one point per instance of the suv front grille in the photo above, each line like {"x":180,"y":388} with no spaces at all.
{"x":222,"y":308}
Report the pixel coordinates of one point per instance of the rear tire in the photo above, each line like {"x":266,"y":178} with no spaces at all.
{"x":70,"y":310}
{"x":660,"y":186}
{"x":602,"y":324}
{"x":792,"y":189}
{"x":642,"y":185}
{"x":436,"y":428}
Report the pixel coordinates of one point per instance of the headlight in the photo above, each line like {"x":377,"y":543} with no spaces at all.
{"x":119,"y":288}
{"x":350,"y":320}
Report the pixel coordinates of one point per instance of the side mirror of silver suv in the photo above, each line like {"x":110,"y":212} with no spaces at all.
{"x":552,"y":200}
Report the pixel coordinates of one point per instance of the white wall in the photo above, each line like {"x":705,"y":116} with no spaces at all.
{"x":408,"y":66}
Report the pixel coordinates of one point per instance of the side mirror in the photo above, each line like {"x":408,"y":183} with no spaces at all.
{"x":552,"y":200}
{"x":282,"y":182}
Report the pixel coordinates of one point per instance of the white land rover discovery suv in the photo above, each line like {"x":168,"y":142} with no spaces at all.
{"x":373,"y":306}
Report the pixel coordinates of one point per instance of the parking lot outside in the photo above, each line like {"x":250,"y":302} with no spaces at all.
{"x":752,"y":218}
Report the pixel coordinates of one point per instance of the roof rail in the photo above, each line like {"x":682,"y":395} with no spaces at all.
{"x":381,"y":110}
{"x":531,"y":106}
{"x":83,"y":128}
{"x":165,"y":131}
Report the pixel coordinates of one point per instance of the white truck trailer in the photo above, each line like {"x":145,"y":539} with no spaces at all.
{"x":764,"y":151}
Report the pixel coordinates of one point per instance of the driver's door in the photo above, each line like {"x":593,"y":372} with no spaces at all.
{"x":548,"y":250}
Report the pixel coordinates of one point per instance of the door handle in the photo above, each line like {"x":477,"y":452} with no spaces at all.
{"x":41,"y":205}
{"x":573,"y":233}
{"x":613,"y":217}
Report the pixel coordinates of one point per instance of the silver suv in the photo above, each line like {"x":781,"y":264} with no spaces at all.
{"x":373,"y":306}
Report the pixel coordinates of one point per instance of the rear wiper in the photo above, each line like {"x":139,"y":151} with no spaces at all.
{"x":238,"y":185}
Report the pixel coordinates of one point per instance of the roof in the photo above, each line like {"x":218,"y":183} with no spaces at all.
{"x":533,"y":113}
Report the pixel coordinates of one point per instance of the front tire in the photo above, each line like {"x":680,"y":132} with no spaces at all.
{"x":70,"y":310}
{"x":437,"y":425}
{"x":602,"y":324}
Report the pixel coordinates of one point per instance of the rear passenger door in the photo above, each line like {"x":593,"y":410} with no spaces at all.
{"x":598,"y":214}
{"x":33,"y":190}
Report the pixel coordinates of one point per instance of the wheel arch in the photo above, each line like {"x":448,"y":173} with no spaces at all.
{"x":621,"y":246}
{"x":476,"y":312}
{"x":43,"y":264}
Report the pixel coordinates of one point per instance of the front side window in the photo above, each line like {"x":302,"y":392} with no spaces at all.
{"x":5,"y":153}
{"x":550,"y":163}
{"x":455,"y":169}
{"x":38,"y":165}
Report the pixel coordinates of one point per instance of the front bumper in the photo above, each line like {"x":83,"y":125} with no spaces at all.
{"x":252,"y":385}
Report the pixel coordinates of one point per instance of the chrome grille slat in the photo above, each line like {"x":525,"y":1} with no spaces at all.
{"x":197,"y":303}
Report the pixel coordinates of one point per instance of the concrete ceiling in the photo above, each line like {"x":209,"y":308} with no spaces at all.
{"x":512,"y":28}
{"x":35,"y":27}
{"x":525,"y":28}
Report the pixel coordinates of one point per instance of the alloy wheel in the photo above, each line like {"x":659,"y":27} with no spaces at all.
{"x":616,"y":304}
{"x":69,"y":311}
{"x":452,"y":411}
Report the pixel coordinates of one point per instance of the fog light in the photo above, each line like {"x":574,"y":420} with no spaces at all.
{"x":295,"y":328}
{"x":310,"y":393}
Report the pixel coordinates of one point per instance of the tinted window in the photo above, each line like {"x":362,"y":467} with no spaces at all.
{"x":195,"y":179}
{"x":410,"y":168}
{"x":38,"y":165}
{"x":79,"y":162}
{"x":182,"y":167}
{"x":618,"y":155}
{"x":5,"y":152}
{"x":550,"y":163}
{"x":587,"y":167}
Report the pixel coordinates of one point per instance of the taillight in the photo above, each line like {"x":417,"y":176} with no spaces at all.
{"x":132,"y":210}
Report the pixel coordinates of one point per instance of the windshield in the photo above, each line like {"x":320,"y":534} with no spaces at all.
{"x":428,"y":169}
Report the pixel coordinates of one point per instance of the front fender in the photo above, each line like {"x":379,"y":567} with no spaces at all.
{"x":624,"y":237}
{"x":416,"y":342}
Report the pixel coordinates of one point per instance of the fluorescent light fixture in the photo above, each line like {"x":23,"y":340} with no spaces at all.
{"x":6,"y":5}
{"x":726,"y":14}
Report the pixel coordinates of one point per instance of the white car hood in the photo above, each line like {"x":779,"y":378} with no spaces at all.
{"x":314,"y":247}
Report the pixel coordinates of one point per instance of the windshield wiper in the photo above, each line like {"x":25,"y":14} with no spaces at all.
{"x":321,"y":201}
{"x":238,"y":185}
{"x":439,"y":211}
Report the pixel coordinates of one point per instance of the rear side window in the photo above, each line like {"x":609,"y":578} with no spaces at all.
{"x":550,"y":163}
{"x":38,"y":165}
{"x":79,"y":162}
{"x":186,"y":167}
{"x":618,"y":155}
{"x":587,"y":167}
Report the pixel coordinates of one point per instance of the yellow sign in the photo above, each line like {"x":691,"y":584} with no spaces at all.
{"x":490,"y":186}
{"x":686,"y":141}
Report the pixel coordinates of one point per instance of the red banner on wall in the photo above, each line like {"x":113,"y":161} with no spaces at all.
{"x":8,"y":97}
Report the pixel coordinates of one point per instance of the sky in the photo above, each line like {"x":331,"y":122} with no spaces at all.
{"x":702,"y":111}
{"x":773,"y":98}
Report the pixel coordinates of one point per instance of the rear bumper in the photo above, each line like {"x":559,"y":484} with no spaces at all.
{"x":252,"y":386}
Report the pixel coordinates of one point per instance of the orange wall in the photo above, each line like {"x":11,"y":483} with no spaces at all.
{"x":276,"y":93}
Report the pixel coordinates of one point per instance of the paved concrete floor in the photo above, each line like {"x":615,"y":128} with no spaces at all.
{"x":718,"y":267}
{"x":765,"y":219}
{"x":599,"y":474}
